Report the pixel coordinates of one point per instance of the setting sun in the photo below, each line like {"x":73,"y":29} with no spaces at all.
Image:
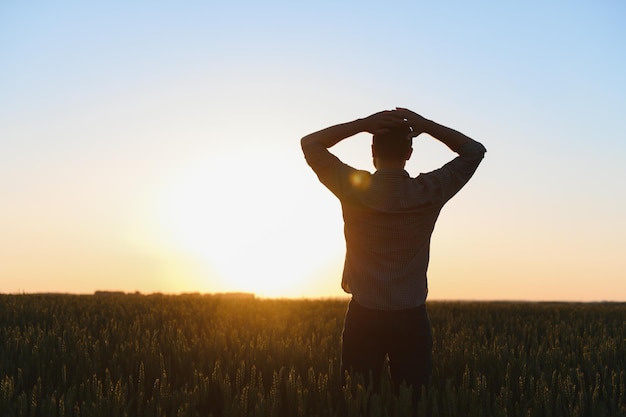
{"x":242,"y":223}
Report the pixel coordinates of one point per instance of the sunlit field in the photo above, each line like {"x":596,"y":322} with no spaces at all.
{"x":194,"y":355}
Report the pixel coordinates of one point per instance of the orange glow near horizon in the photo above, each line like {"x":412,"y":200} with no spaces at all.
{"x":243,"y":226}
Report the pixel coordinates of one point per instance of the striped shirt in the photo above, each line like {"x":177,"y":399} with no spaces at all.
{"x":389,"y":218}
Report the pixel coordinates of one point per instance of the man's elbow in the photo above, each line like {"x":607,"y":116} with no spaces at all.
{"x":307,"y":142}
{"x":472,"y":149}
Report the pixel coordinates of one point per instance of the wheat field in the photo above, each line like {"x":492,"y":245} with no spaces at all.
{"x":202,"y":355}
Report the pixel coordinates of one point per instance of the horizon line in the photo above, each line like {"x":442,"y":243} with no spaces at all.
{"x":252,"y":295}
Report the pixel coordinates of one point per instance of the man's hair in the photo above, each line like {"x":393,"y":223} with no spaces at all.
{"x":393,"y":144}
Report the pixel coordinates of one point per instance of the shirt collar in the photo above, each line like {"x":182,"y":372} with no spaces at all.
{"x":391,"y":172}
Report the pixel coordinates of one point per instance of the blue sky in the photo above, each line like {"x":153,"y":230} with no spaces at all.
{"x":154,"y":146}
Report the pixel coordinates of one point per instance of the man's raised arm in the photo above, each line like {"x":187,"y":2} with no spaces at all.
{"x":377,"y":122}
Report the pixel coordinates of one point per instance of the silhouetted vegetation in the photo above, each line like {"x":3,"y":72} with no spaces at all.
{"x":195,"y":355}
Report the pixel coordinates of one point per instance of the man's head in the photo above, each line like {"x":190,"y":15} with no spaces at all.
{"x":394,"y":145}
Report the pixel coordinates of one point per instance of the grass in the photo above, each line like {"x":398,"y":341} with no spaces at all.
{"x":195,"y":355}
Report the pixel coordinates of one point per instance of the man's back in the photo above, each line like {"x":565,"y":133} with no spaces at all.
{"x":389,"y":218}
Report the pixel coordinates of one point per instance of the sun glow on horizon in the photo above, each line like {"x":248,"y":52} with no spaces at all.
{"x":237,"y":213}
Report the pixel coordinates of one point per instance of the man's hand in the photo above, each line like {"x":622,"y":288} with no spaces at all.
{"x":417,"y":122}
{"x":381,"y":122}
{"x":453,"y":139}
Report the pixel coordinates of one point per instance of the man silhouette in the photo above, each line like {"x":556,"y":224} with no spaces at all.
{"x":388,"y":221}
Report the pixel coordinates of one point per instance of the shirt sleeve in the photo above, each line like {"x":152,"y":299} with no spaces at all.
{"x":329,"y":169}
{"x":450,"y":178}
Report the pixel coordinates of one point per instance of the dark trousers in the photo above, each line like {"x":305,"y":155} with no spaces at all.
{"x":404,"y":336}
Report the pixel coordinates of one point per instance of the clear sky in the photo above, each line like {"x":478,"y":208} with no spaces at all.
{"x":154,"y":146}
